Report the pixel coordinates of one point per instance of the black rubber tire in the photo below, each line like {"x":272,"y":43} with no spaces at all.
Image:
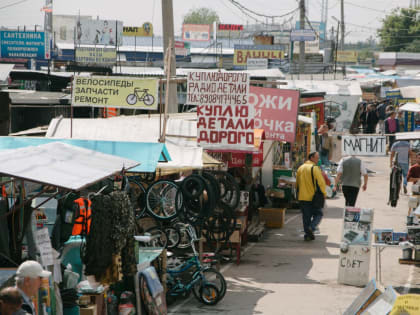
{"x":209,"y":294}
{"x":215,"y":277}
{"x":137,"y":195}
{"x":174,"y":236}
{"x":192,"y":186}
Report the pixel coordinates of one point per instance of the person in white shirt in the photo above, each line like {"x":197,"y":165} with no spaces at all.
{"x":350,"y":169}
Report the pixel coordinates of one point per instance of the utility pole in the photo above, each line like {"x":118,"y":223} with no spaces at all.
{"x":302,"y":43}
{"x":168,"y":39}
{"x":342,"y":25}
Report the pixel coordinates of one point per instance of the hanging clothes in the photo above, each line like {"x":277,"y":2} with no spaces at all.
{"x":394,"y":184}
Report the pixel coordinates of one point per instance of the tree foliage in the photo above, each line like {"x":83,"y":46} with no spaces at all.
{"x":399,"y":31}
{"x":201,"y":16}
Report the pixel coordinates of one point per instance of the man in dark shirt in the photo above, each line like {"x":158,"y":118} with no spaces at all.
{"x":414,"y":171}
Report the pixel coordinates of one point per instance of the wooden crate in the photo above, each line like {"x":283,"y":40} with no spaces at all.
{"x":273,"y":217}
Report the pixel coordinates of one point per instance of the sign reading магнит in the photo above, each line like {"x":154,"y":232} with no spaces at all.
{"x":225,"y":127}
{"x":363,"y":145}
{"x":217,"y":88}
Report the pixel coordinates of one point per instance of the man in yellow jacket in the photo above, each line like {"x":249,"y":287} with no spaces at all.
{"x":311,"y":216}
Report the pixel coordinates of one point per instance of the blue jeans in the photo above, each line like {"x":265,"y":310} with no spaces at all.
{"x":404,"y":168}
{"x":311,"y":217}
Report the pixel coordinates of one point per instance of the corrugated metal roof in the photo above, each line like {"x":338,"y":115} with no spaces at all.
{"x":35,"y":97}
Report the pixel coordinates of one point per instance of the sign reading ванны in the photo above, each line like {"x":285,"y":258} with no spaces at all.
{"x":363,"y":145}
{"x":122,"y":92}
{"x":30,"y":45}
{"x":276,"y":112}
{"x":225,"y":119}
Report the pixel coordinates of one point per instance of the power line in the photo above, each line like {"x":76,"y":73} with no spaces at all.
{"x":363,"y":7}
{"x":12,"y":4}
{"x":237,"y":4}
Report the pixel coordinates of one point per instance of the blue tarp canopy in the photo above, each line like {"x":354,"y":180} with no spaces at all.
{"x":146,"y":153}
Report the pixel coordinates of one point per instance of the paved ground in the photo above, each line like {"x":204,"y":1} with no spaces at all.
{"x":282,"y":274}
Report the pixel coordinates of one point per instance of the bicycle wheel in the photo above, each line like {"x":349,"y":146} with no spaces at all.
{"x":161,"y":240}
{"x":209,"y":294}
{"x":161,"y":201}
{"x":212,"y":276}
{"x":137,"y":195}
{"x":185,"y":239}
{"x":148,"y":99}
{"x":174,"y":237}
{"x":131,"y":99}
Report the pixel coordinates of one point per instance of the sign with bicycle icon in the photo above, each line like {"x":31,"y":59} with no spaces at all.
{"x":121,"y":92}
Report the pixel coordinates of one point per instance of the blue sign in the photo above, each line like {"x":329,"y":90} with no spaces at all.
{"x":30,"y":45}
{"x":393,"y":94}
{"x":302,"y":36}
{"x":319,"y":27}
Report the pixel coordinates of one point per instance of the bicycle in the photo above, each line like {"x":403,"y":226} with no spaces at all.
{"x":146,"y":98}
{"x":207,"y":284}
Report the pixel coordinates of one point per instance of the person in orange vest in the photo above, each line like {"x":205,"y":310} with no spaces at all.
{"x":83,"y":219}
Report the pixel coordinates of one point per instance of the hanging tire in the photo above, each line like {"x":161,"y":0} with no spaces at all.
{"x":161,"y":241}
{"x":173,"y":235}
{"x":192,"y":186}
{"x":162,"y":200}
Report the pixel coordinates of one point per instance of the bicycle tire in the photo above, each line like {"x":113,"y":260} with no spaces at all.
{"x":209,"y":294}
{"x":174,"y":236}
{"x":131,"y":99}
{"x":148,"y":99}
{"x":137,"y":195}
{"x":215,"y":277}
{"x":162,"y":201}
{"x":192,"y":186}
{"x":162,"y":241}
{"x":185,"y":239}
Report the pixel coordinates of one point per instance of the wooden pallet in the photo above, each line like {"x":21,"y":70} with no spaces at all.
{"x":256,"y":232}
{"x":408,"y":261}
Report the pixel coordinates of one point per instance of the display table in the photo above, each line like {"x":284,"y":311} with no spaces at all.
{"x":379,"y":248}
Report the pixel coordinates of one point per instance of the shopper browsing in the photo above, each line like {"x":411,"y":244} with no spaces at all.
{"x":28,"y":282}
{"x":413,"y":175}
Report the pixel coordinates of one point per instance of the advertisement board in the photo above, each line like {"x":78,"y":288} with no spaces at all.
{"x":311,"y":47}
{"x":363,"y":145}
{"x":243,"y":52}
{"x":196,"y":32}
{"x":276,"y":112}
{"x":302,"y":35}
{"x":229,"y":30}
{"x":99,"y":32}
{"x":64,"y":27}
{"x":121,"y":92}
{"x":31,"y":45}
{"x":95,"y":55}
{"x":144,"y":31}
{"x":319,"y":27}
{"x":347,"y":56}
{"x":255,"y":63}
{"x":225,"y":118}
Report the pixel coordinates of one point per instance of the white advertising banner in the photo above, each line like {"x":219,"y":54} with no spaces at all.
{"x":363,"y":145}
{"x":99,"y":32}
{"x":43,"y":242}
{"x":255,"y":63}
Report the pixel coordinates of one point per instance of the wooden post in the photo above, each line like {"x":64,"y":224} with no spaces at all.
{"x":168,"y":77}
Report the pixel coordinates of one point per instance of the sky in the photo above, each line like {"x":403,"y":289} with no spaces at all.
{"x":362,"y":17}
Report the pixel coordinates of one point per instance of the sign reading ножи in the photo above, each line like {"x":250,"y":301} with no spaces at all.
{"x":276,"y":112}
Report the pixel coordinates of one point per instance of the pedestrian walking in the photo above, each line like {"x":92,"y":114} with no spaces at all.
{"x":349,"y":172}
{"x":401,"y":147}
{"x":392,"y":125}
{"x":381,"y":112}
{"x":28,"y":282}
{"x":325,"y":144}
{"x":413,"y":175}
{"x":309,"y":180}
{"x":10,"y":301}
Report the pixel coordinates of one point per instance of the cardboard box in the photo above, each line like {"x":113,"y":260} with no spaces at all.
{"x":273,"y":217}
{"x":90,"y":310}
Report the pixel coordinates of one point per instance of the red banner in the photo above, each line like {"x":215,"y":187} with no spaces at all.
{"x":238,"y":159}
{"x":276,"y":112}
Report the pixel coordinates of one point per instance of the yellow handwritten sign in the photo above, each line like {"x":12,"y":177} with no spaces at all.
{"x":347,"y":56}
{"x":145,"y":31}
{"x":407,"y":304}
{"x":122,"y":92}
{"x":243,"y":52}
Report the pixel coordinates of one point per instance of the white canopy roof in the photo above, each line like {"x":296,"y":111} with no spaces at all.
{"x":180,"y":135}
{"x":410,"y":107}
{"x":331,"y":87}
{"x":61,"y":165}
